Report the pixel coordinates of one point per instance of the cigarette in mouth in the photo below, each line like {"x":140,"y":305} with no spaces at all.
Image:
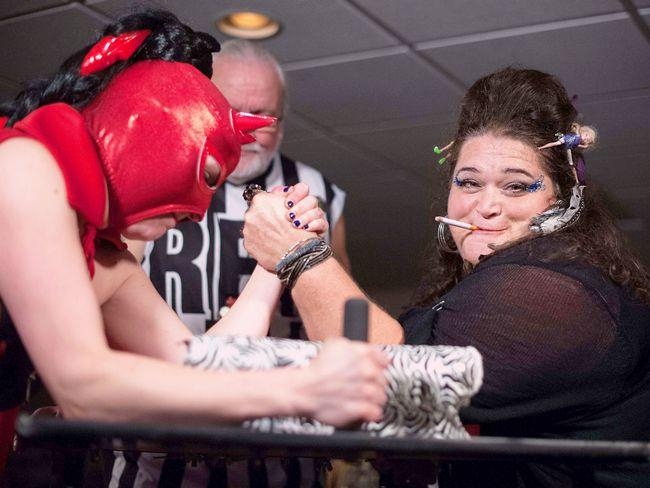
{"x":457,"y":223}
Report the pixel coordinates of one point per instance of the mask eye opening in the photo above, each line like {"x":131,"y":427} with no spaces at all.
{"x":211,"y":173}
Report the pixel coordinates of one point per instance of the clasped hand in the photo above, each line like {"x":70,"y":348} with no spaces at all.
{"x":279,"y":219}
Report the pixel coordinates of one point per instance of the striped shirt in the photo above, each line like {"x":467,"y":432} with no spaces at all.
{"x":197,"y":267}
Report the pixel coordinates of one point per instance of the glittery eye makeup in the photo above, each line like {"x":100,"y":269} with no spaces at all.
{"x":513,"y":188}
{"x":536,"y":185}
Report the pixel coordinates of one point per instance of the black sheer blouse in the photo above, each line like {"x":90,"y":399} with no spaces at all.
{"x":566,"y":354}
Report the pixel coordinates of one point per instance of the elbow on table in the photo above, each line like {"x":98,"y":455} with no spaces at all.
{"x":82,"y":389}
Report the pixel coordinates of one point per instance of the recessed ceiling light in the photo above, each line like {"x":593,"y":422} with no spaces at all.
{"x":248,"y":25}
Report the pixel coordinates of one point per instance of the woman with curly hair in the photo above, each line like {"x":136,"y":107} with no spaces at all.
{"x":529,"y":269}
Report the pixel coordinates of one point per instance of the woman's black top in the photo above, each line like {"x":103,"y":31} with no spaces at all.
{"x":566,"y":354}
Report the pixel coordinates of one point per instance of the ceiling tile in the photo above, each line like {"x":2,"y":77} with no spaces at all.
{"x":9,"y":8}
{"x":32,"y":45}
{"x":576,"y":55}
{"x":345,"y":31}
{"x":420,"y":20}
{"x":623,"y":121}
{"x":367,"y":91}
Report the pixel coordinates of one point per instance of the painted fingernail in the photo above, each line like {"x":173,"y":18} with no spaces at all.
{"x":306,"y":226}
{"x":292,"y":215}
{"x":286,"y":189}
{"x":289,"y":204}
{"x":296,"y":223}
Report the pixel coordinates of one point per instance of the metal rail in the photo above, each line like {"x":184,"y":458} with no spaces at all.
{"x":238,"y":441}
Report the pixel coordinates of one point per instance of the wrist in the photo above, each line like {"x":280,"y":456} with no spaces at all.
{"x":301,"y":402}
{"x":300,"y":257}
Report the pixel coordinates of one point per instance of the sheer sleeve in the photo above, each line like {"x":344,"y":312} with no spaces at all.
{"x":545,"y":338}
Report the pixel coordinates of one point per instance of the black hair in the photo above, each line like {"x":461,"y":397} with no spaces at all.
{"x":170,"y":40}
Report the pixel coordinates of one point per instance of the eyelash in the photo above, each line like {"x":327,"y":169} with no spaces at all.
{"x":521,"y":188}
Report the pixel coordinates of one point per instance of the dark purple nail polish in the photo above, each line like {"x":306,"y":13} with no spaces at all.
{"x":289,"y":204}
{"x":292,"y":215}
{"x":296,"y":223}
{"x":285,"y":189}
{"x":306,"y":226}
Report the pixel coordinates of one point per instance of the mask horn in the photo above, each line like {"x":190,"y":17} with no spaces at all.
{"x":245,"y":123}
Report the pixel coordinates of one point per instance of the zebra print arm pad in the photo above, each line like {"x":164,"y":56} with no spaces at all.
{"x":427,"y":385}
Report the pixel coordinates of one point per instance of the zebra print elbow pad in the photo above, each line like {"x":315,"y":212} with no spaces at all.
{"x":427,"y":385}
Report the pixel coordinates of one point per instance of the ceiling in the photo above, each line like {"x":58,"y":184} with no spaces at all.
{"x":375,"y":84}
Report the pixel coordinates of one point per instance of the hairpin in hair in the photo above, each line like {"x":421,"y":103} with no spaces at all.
{"x":439,"y":151}
{"x":111,"y":49}
{"x":581,"y":136}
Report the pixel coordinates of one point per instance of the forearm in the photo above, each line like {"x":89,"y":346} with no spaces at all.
{"x":252,"y":311}
{"x":338,"y":245}
{"x":118,"y":387}
{"x":321,"y":291}
{"x":320,"y":295}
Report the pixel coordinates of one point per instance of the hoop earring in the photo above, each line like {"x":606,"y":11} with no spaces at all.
{"x":442,"y":239}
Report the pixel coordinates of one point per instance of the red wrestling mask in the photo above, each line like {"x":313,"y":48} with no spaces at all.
{"x":155,"y":125}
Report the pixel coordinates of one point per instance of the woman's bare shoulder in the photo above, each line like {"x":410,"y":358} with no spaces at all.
{"x":27,"y":167}
{"x":19,"y":148}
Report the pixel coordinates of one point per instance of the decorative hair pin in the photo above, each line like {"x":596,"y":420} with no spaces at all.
{"x":111,"y":49}
{"x":581,"y":136}
{"x":439,"y":151}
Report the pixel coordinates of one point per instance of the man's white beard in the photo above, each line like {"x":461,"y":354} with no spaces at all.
{"x":257,"y":161}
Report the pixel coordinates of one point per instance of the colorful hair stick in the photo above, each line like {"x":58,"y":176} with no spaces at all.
{"x":439,"y":151}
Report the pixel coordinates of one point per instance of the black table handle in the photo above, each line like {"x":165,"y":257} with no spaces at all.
{"x":355,"y":319}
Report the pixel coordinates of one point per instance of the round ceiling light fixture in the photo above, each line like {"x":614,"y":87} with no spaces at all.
{"x":248,"y":25}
